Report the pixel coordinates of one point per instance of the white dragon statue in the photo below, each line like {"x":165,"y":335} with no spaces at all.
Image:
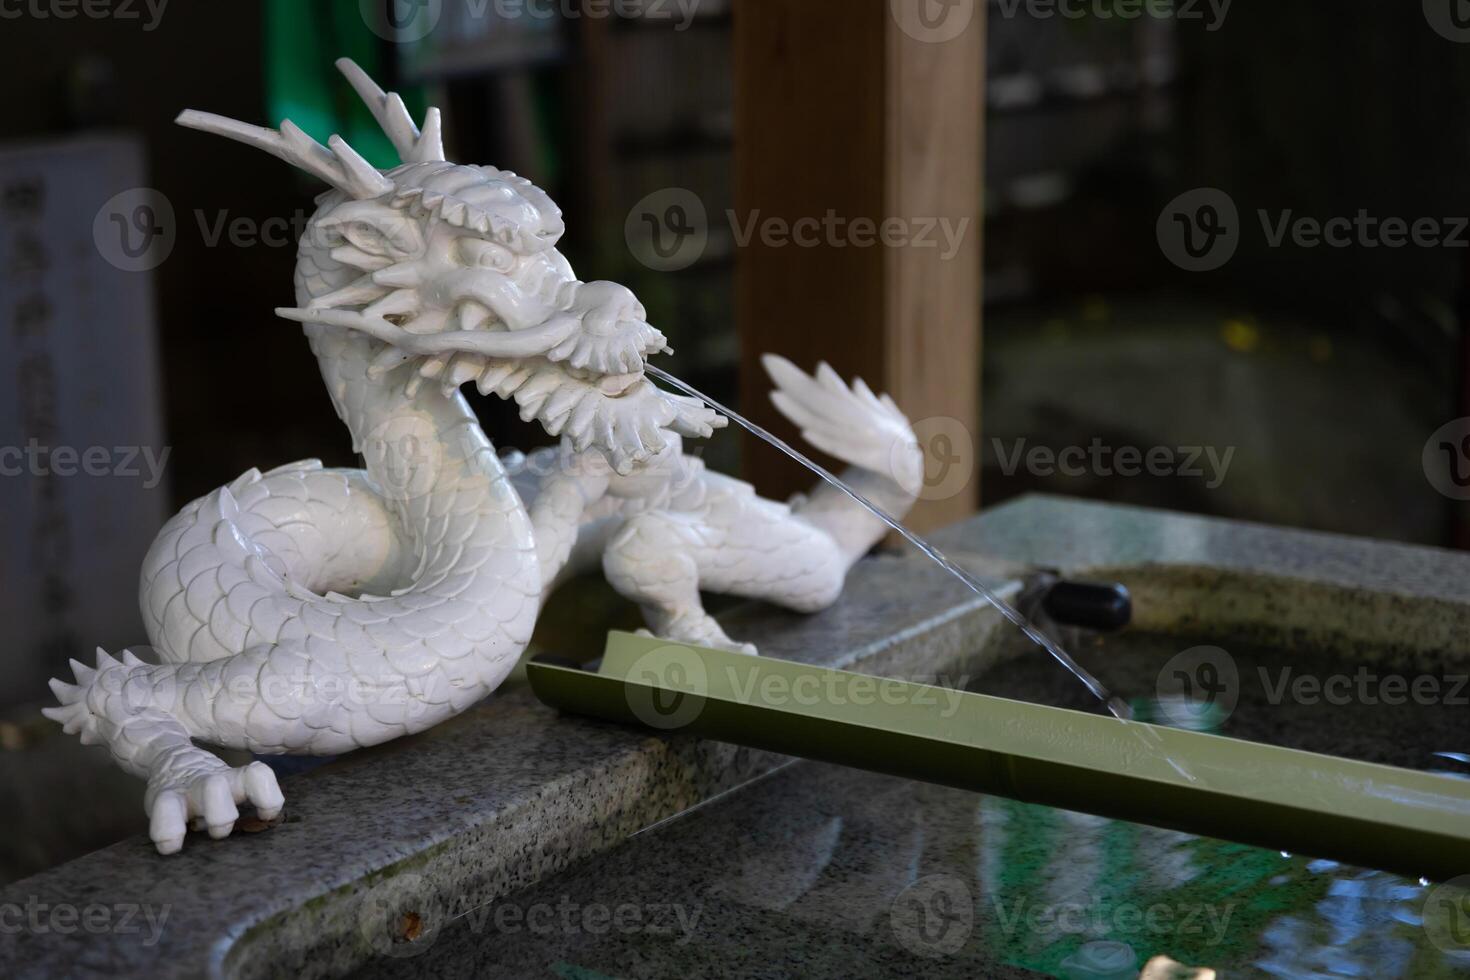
{"x":314,"y":611}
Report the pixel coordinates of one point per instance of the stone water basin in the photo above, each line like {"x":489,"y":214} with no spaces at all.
{"x":816,"y":870}
{"x":469,"y":849}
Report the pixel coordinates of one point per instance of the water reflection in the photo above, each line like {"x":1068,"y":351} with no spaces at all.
{"x":1063,"y":880}
{"x":820,"y":869}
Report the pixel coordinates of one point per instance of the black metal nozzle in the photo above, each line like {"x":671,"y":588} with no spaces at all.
{"x":1105,"y":607}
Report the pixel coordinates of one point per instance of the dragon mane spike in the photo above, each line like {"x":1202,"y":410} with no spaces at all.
{"x":367,"y":182}
{"x":431,"y":144}
{"x":390,"y":112}
{"x":345,"y":170}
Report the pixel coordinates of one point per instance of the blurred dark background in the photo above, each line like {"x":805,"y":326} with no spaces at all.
{"x":1325,"y":367}
{"x":1128,"y":148}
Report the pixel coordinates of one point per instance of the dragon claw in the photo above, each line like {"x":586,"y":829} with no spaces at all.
{"x":166,"y":822}
{"x":708,"y":634}
{"x":206,"y":797}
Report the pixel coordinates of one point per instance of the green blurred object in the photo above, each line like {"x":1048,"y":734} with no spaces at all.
{"x":302,"y":43}
{"x":1373,"y":816}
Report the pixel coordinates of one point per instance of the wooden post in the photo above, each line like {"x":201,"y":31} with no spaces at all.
{"x":858,"y":169}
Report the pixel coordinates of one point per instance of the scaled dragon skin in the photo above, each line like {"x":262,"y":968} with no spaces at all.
{"x":314,"y":611}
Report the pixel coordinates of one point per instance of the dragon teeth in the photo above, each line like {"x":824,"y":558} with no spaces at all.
{"x":563,"y":401}
{"x":512,"y":382}
{"x":387,"y":360}
{"x":579,"y":425}
{"x":463,"y":369}
{"x":495,"y":372}
{"x":404,"y":275}
{"x":543,"y":384}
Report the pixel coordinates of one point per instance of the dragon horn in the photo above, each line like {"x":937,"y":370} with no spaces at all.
{"x":388,"y":109}
{"x":344,"y":170}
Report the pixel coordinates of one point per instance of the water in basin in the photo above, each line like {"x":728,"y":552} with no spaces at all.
{"x":819,"y":870}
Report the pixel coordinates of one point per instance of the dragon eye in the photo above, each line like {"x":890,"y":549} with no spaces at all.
{"x":487,"y":255}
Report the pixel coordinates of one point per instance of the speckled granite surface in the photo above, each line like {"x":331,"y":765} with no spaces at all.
{"x":816,"y":871}
{"x":819,"y":871}
{"x":511,"y":793}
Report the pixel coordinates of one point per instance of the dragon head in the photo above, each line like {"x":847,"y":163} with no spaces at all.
{"x":454,"y":269}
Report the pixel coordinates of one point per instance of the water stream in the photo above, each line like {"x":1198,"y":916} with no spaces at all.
{"x":1116,"y":705}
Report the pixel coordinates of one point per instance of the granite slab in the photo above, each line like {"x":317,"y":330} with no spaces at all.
{"x":816,"y":871}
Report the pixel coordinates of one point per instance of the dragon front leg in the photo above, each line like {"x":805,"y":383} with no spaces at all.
{"x":735,"y":544}
{"x":725,"y":539}
{"x":146,"y":715}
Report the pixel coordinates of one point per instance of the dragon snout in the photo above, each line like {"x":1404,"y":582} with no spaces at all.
{"x":614,"y":337}
{"x":604,"y":306}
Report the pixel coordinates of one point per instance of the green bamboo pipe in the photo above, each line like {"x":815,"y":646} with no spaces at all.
{"x":1412,"y":823}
